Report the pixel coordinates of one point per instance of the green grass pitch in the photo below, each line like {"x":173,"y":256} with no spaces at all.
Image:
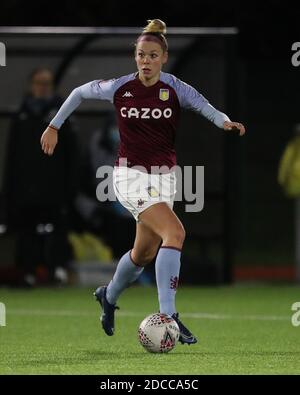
{"x":241,"y":330}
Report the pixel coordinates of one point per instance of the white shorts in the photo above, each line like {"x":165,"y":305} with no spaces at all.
{"x":137,"y":190}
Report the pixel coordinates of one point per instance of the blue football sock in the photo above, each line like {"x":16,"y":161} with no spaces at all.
{"x":127,"y":272}
{"x":167,"y":267}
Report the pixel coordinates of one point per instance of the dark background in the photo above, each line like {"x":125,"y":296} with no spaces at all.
{"x":267,"y":95}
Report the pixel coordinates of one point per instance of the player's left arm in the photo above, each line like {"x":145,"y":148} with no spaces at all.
{"x":190,"y":98}
{"x":235,"y":126}
{"x":217,"y":117}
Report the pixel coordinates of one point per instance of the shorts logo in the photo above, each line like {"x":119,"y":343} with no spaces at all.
{"x":164,"y":94}
{"x":153,"y":192}
{"x":174,"y":282}
{"x":141,"y":202}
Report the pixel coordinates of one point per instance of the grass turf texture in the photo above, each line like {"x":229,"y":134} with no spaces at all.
{"x":241,"y":330}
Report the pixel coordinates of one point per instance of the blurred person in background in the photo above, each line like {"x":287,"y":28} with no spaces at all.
{"x":39,"y":190}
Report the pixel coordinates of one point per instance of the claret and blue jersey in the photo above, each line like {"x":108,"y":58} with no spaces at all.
{"x":147,"y":116}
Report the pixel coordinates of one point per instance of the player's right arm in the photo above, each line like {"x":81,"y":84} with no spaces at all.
{"x":101,"y":90}
{"x":49,"y":140}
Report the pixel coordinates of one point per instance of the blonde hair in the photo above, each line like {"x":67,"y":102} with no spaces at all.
{"x":155,"y":26}
{"x":155,"y":31}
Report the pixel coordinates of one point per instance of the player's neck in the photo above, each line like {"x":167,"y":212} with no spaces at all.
{"x":149,"y":82}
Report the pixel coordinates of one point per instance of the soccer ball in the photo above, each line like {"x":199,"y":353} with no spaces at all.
{"x":158,"y":333}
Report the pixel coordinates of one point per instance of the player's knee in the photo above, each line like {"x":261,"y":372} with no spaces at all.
{"x":149,"y":256}
{"x":175,"y":237}
{"x":145,"y":257}
{"x":179,"y":235}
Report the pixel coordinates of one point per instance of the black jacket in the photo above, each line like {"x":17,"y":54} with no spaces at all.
{"x":31,"y":178}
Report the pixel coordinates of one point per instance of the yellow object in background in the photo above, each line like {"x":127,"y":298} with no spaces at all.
{"x":95,"y":244}
{"x":289,"y":168}
{"x":87,"y":247}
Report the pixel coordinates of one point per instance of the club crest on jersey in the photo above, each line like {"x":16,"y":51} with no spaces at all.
{"x":164,"y":94}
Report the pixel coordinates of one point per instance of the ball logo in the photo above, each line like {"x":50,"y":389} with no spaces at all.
{"x":145,"y":113}
{"x":167,"y":343}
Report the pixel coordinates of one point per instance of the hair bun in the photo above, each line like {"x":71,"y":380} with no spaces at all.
{"x":155,"y":26}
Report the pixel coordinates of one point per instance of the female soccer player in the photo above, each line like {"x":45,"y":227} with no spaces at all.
{"x":148,"y":105}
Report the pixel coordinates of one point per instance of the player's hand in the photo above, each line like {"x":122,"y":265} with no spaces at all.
{"x":49,"y":140}
{"x":234,"y":126}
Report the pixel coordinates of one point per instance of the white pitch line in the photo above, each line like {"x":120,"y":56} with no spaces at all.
{"x":209,"y":316}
